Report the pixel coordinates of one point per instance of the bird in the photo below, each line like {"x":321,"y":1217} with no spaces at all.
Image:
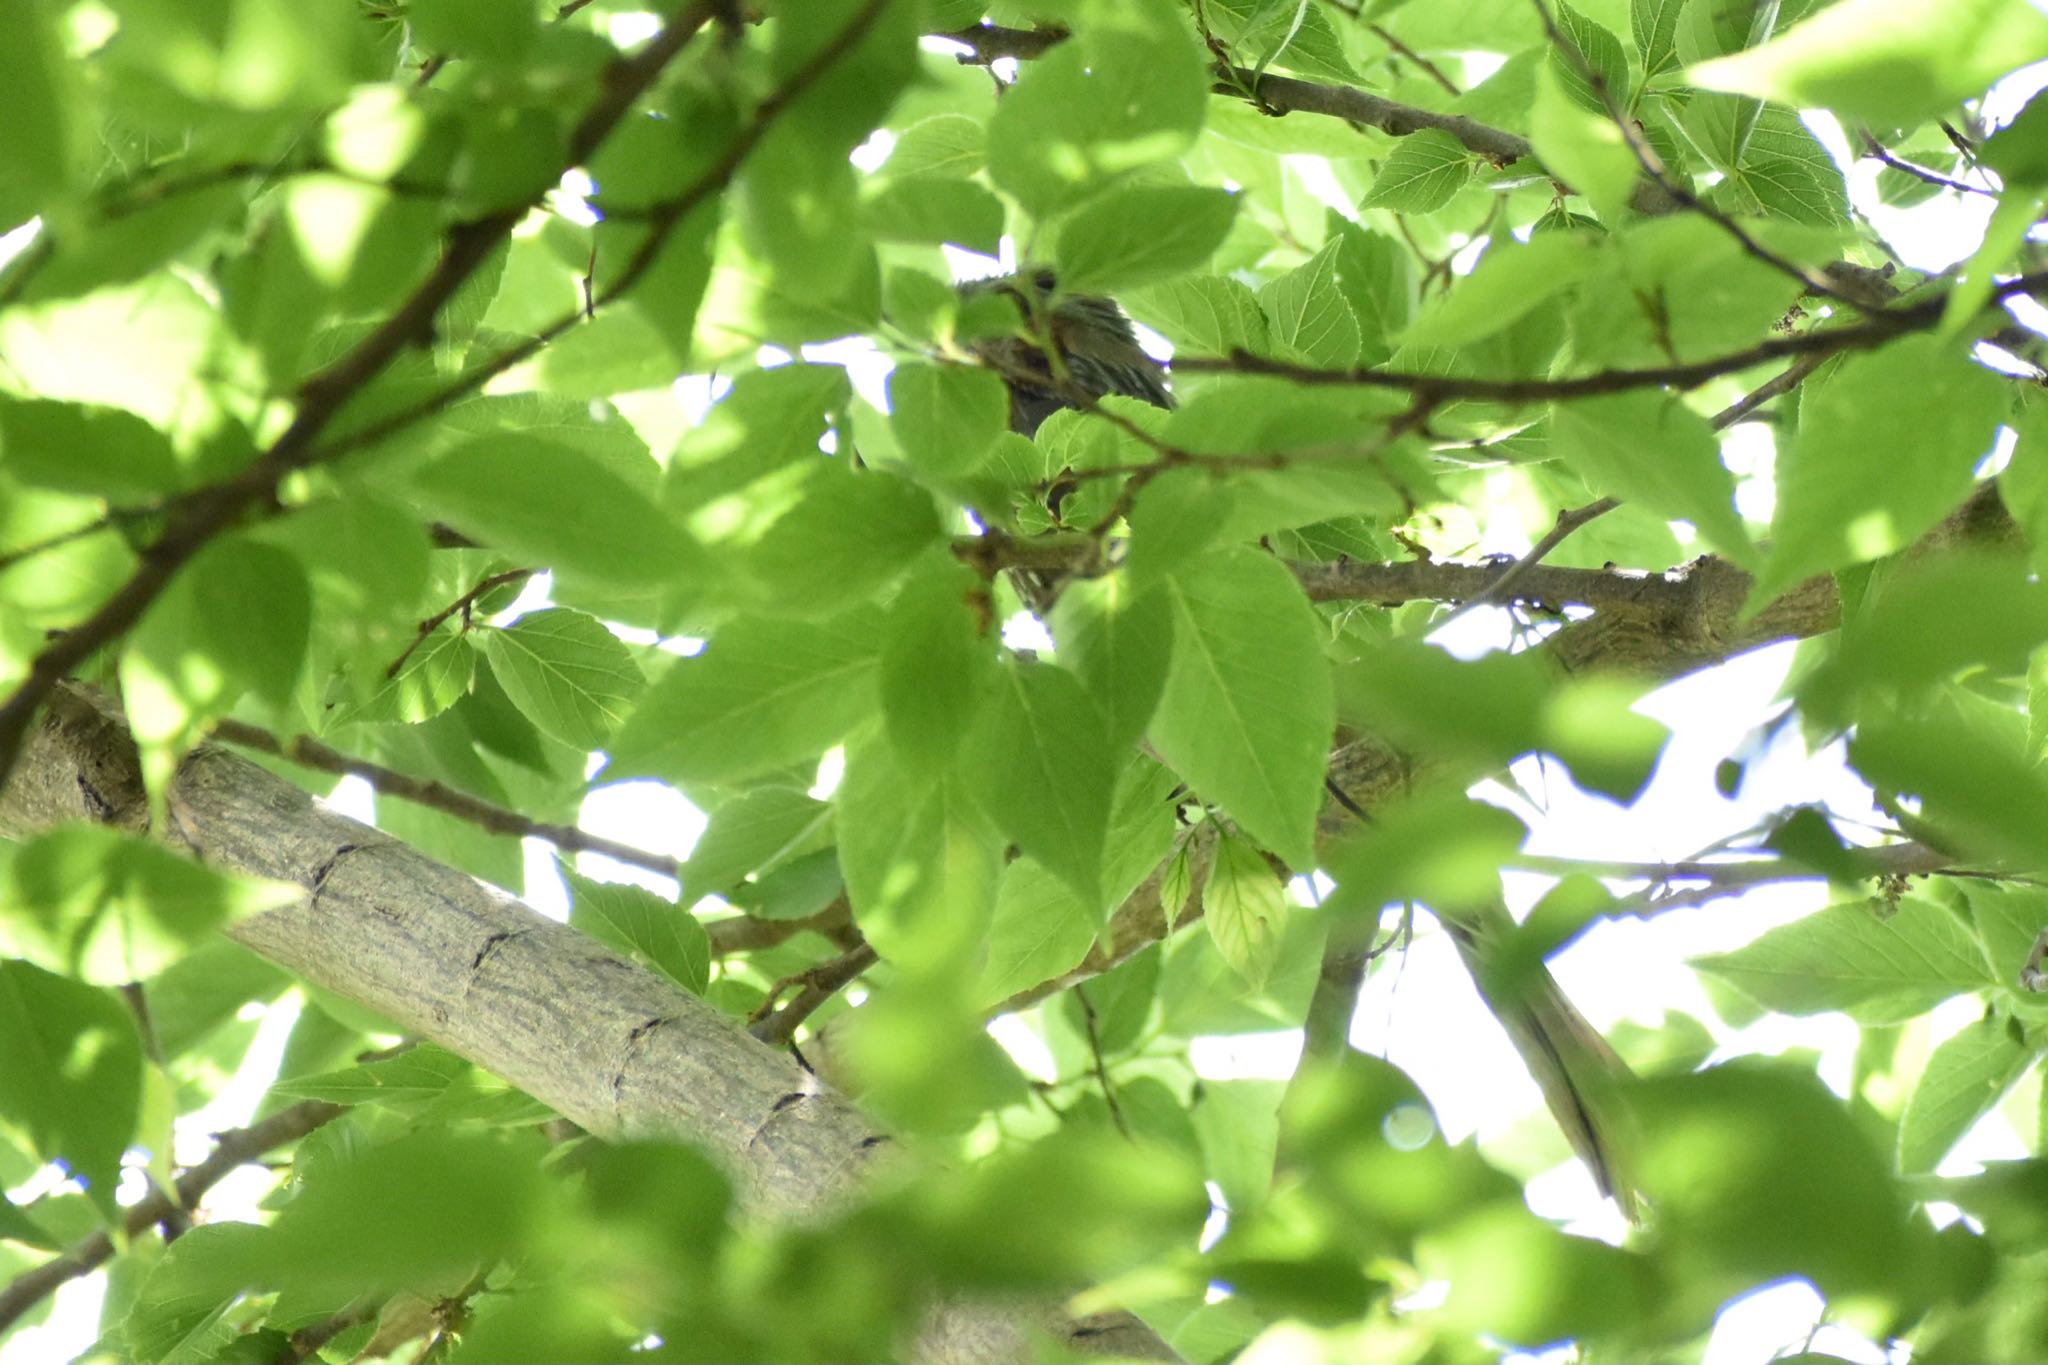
{"x":1583,"y":1080}
{"x":1098,"y":353}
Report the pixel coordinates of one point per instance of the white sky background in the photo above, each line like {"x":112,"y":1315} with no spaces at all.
{"x":1420,"y":1009}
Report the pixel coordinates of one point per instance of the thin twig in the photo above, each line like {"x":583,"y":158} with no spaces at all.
{"x":1276,"y":94}
{"x":207,"y":512}
{"x":1783,"y":383}
{"x":105,"y":522}
{"x":1424,"y":64}
{"x":1567,"y":522}
{"x":1874,"y":331}
{"x":311,"y":753}
{"x":1101,"y":1068}
{"x":737,"y":934}
{"x":819,"y":984}
{"x":1878,"y":151}
{"x":461,"y":604}
{"x":231,"y":1149}
{"x":1653,"y":166}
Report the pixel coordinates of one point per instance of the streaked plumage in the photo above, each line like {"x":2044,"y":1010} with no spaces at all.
{"x":1092,"y":336}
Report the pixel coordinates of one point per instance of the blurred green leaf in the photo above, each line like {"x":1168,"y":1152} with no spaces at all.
{"x":1886,"y":62}
{"x":1847,"y":957}
{"x":113,"y":907}
{"x":71,"y":1074}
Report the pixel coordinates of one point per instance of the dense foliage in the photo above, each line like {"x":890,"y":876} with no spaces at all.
{"x":332,"y":328}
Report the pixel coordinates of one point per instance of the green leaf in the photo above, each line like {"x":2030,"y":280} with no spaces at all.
{"x":1293,"y":36}
{"x":490,"y":31}
{"x":113,"y":907}
{"x":1118,"y":641}
{"x":1885,"y":447}
{"x":1374,"y":275}
{"x":938,"y":662}
{"x":2011,"y":223}
{"x":1848,"y":958}
{"x":1310,"y":319}
{"x":947,"y":144}
{"x":1890,"y":63}
{"x":1964,"y":1078}
{"x":766,"y":693}
{"x":755,"y":832}
{"x":434,"y":677}
{"x":1511,"y":279}
{"x":255,"y":613}
{"x":639,"y":923}
{"x":921,"y":865}
{"x":1248,"y":713}
{"x":1649,"y":448}
{"x":1202,"y":314}
{"x":1789,"y":174}
{"x":2019,"y":151}
{"x":1141,"y":234}
{"x":1593,"y":49}
{"x":1654,"y":26}
{"x":1095,"y":108}
{"x":1245,"y":907}
{"x":848,"y":536}
{"x":70,"y":1075}
{"x":1039,"y":929}
{"x":801,"y":213}
{"x":946,"y":416}
{"x":205,"y":989}
{"x":934,"y":208}
{"x":1760,"y":1172}
{"x":566,"y":673}
{"x":1042,"y":767}
{"x":1425,"y":171}
{"x":177,"y":1311}
{"x":1583,"y":148}
{"x":1956,"y":614}
{"x":1974,"y":787}
{"x":544,"y":501}
{"x":406,"y":1083}
{"x":40,"y":110}
{"x":799,"y":889}
{"x":101,"y":452}
{"x":2009,"y":919}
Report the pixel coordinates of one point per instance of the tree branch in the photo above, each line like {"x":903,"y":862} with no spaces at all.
{"x":201,"y":515}
{"x":311,"y":753}
{"x":819,"y":984}
{"x":737,"y":934}
{"x":1272,"y":94}
{"x":196,"y":519}
{"x":612,"y":1046}
{"x":231,"y":1149}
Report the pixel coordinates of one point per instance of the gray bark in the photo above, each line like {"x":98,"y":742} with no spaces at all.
{"x":609,"y":1044}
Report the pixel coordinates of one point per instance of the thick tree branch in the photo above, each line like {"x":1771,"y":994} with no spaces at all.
{"x":612,"y":1046}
